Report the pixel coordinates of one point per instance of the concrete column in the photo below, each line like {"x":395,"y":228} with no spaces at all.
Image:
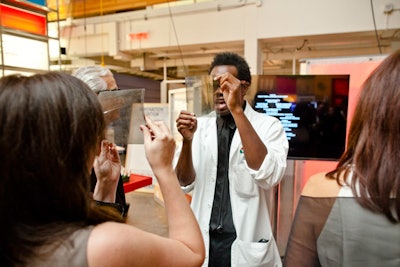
{"x":253,"y":55}
{"x":252,"y":50}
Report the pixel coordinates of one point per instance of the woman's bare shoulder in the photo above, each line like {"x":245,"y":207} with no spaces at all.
{"x":319,"y":185}
{"x":114,"y":243}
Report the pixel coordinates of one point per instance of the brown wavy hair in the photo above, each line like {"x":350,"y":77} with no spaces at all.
{"x":51,"y":128}
{"x":373,"y":146}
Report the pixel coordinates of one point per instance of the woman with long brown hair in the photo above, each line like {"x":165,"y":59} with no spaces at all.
{"x":351,"y":215}
{"x":52,"y":127}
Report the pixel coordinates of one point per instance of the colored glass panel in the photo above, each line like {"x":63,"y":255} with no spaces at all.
{"x":19,"y":19}
{"x":38,"y":2}
{"x":23,"y":52}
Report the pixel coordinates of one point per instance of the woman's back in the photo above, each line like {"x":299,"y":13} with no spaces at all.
{"x":355,"y":236}
{"x":332,"y":229}
{"x":70,"y":252}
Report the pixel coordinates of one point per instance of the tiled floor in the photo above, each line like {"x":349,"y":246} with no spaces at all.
{"x":146,"y":213}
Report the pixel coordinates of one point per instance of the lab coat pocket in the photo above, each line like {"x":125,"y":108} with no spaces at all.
{"x":242,"y":182}
{"x":255,"y":254}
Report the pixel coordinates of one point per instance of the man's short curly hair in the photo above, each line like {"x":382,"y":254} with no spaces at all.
{"x":232,"y":59}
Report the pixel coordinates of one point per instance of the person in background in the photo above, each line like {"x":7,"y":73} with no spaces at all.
{"x":98,"y":78}
{"x":52,"y":128}
{"x":107,"y":168}
{"x":231,"y":158}
{"x":351,"y":216}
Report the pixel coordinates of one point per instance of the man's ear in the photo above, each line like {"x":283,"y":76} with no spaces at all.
{"x":245,"y":87}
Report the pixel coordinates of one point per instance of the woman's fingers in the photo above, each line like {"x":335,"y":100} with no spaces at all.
{"x":146,"y":133}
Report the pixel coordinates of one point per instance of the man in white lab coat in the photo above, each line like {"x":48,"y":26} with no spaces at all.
{"x":230,"y":159}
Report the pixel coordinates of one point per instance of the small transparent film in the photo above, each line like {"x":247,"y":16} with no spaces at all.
{"x":199,"y":94}
{"x":123,"y":113}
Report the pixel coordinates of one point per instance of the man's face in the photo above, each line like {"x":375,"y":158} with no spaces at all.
{"x":112,"y":115}
{"x":111,"y":83}
{"x":220,"y":105}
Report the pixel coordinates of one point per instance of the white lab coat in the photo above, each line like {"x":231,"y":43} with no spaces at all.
{"x":248,"y":188}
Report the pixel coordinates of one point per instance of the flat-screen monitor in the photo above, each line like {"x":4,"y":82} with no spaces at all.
{"x":312,"y":109}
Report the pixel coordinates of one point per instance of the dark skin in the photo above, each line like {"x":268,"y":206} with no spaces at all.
{"x":108,"y":168}
{"x":228,"y":98}
{"x":107,"y":164}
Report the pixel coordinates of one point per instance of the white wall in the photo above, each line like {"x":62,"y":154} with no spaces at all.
{"x":225,"y":21}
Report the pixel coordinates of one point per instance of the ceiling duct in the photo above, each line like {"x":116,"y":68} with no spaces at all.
{"x":144,"y":63}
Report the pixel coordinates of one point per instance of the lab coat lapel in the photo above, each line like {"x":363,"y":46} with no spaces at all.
{"x":211,"y":138}
{"x":236,"y":144}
